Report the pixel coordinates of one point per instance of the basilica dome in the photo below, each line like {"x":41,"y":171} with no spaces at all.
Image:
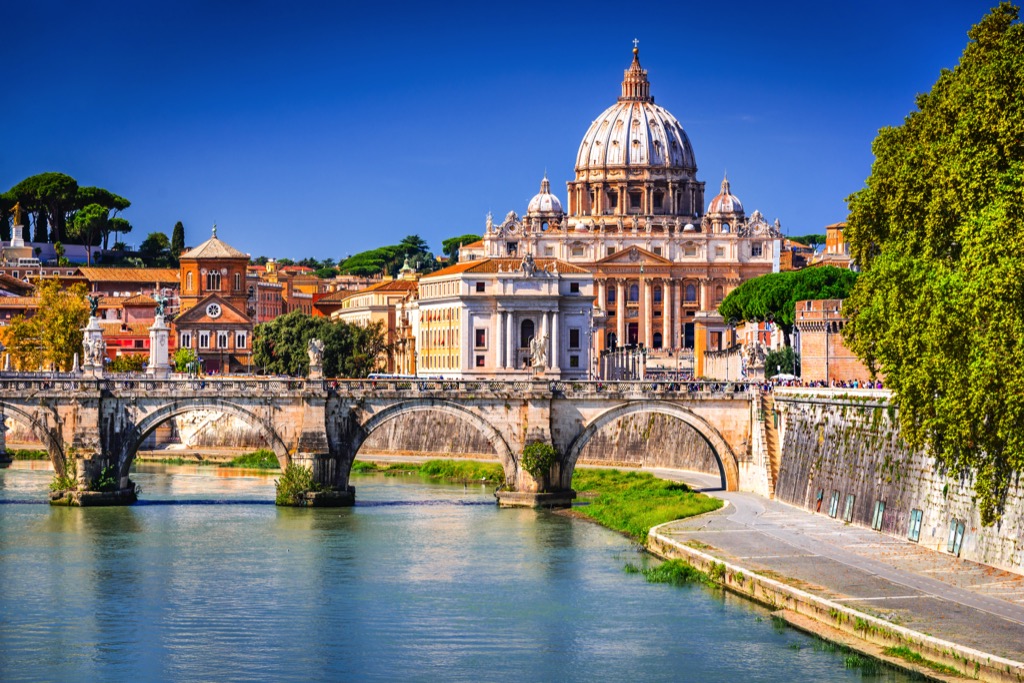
{"x":544,"y":202}
{"x":725,"y":201}
{"x":635,"y":131}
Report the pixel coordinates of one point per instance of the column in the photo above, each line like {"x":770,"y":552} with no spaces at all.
{"x":602,"y":300}
{"x":647,"y":314}
{"x":555,"y":349}
{"x":499,"y":341}
{"x":703,"y":295}
{"x":545,"y":330}
{"x":510,"y":336}
{"x":666,"y":314}
{"x":620,"y":313}
{"x":677,"y":307}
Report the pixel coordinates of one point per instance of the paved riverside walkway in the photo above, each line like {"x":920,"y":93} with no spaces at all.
{"x":921,"y":589}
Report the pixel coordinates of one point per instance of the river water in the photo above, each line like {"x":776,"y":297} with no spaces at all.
{"x":206,"y":580}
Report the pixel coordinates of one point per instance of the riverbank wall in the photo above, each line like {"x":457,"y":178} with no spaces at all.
{"x":842,"y":455}
{"x":833,"y":615}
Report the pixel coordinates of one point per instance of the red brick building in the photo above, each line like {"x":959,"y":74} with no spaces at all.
{"x":823,"y":353}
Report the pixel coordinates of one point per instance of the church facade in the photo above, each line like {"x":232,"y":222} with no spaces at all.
{"x":636,"y":220}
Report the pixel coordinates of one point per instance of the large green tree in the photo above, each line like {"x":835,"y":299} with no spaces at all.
{"x":88,"y":225}
{"x":52,"y":194}
{"x":114,"y":204}
{"x":451,"y":246}
{"x":177,"y":240}
{"x":938,"y":230}
{"x":279,"y":346}
{"x":774,"y":296}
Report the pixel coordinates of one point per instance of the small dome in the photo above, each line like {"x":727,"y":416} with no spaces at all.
{"x":725,"y":201}
{"x":689,"y":228}
{"x":544,"y":202}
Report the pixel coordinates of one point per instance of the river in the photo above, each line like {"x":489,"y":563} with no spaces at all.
{"x":206,"y":580}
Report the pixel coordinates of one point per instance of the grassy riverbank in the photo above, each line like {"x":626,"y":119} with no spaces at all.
{"x":257,"y":460}
{"x":449,"y":471}
{"x":27,"y":454}
{"x":635,"y":502}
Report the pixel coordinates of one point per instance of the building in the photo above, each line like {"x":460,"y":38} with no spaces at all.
{"x":217,"y":310}
{"x":661,"y":264}
{"x":837,"y":249}
{"x":379,"y":304}
{"x":480,"y":319}
{"x":823,"y":353}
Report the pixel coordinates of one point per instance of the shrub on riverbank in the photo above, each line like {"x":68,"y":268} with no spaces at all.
{"x":634,"y":502}
{"x":293,"y":485}
{"x":28,"y":454}
{"x":449,"y":471}
{"x":262,"y":459}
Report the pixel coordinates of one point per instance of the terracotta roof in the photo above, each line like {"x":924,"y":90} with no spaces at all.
{"x":507,"y":265}
{"x":116,"y":328}
{"x":384,"y":286}
{"x":214,"y":248}
{"x":473,"y":245}
{"x":139,"y":300}
{"x":14,"y":284}
{"x":18,"y":301}
{"x":154,"y":275}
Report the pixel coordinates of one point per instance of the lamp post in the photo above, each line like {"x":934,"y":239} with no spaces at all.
{"x":732,"y":334}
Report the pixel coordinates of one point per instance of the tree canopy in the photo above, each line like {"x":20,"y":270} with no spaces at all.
{"x":54,"y":199}
{"x":938,"y":230}
{"x":451,"y":246}
{"x":279,"y":346}
{"x":54,"y":334}
{"x":809,"y":240}
{"x":390,"y":259}
{"x":775,"y":294}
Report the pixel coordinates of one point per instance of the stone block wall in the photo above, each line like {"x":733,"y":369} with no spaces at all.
{"x":853,"y":446}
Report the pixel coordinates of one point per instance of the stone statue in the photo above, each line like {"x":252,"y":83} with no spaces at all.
{"x":528,"y":265}
{"x":490,"y":222}
{"x":94,"y":303}
{"x":95,"y":349}
{"x":16,"y":212}
{"x":539,"y":352}
{"x":315,"y":349}
{"x":161,"y":302}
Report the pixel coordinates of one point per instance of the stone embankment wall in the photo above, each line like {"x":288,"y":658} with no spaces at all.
{"x":852,"y":445}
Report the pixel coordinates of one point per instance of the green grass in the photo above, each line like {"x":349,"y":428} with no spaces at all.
{"x":262,"y":459}
{"x":451,"y":471}
{"x":672,"y":572}
{"x":28,"y":454}
{"x":905,"y":653}
{"x":634,"y":502}
{"x":365,"y":467}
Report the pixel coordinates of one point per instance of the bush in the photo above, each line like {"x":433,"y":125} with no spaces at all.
{"x":295,"y":482}
{"x":538,"y":458}
{"x":128,"y":363}
{"x":263,"y":459}
{"x":107,"y":481}
{"x":67,"y":481}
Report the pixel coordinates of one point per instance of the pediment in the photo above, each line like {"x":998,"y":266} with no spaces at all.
{"x":634,"y":256}
{"x":198,"y":315}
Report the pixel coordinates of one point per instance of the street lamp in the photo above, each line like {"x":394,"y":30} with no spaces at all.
{"x":732,"y":335}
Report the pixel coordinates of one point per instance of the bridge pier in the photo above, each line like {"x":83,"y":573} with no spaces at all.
{"x":5,"y":458}
{"x":331,"y":474}
{"x":97,"y":483}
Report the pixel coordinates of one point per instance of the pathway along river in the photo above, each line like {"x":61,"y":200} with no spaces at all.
{"x":204,"y":580}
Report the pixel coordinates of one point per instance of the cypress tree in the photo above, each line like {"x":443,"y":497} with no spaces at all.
{"x":177,"y":240}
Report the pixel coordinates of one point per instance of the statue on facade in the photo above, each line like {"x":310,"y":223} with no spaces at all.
{"x":315,"y":349}
{"x":539,"y":352}
{"x":161,"y":302}
{"x":94,"y":303}
{"x":490,"y":222}
{"x":95,"y":349}
{"x":528,"y":265}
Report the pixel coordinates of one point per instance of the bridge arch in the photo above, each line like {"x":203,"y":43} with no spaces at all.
{"x":505,"y":455}
{"x":134,"y":439}
{"x":727,"y":462}
{"x":53,"y":443}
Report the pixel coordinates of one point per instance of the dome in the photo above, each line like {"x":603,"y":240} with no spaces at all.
{"x":725,"y":201}
{"x":544,"y":202}
{"x":634,"y":131}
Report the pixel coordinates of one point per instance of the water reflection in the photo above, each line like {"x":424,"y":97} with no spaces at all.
{"x":417,"y":582}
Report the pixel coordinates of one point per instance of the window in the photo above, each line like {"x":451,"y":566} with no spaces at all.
{"x":186,"y":340}
{"x":657,"y":250}
{"x":634,"y":200}
{"x":833,"y":505}
{"x":238,"y":282}
{"x":480,"y":338}
{"x":140,"y":344}
{"x":634,"y":293}
{"x":725,"y":227}
{"x":719,"y":252}
{"x":544,"y":226}
{"x":956,"y":537}
{"x":690,"y":250}
{"x":549,"y":251}
{"x":656,"y":340}
{"x":574,"y":361}
{"x":610,"y":296}
{"x":204,"y":340}
{"x":480,"y":287}
{"x":578,"y":252}
{"x":691,"y":293}
{"x":657,"y":295}
{"x":213,"y":281}
{"x":512,"y":248}
{"x":914,"y":530}
{"x":848,"y":510}
{"x":526,"y":330}
{"x":658,"y":199}
{"x":222,"y":340}
{"x":480,"y":361}
{"x":756,"y":249}
{"x":240,"y":340}
{"x":719,"y":292}
{"x":876,"y":519}
{"x":574,"y":288}
{"x":611,"y":250}
{"x":574,"y":338}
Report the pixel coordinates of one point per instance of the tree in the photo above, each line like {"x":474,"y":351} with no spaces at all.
{"x":128,"y":363}
{"x":54,"y":193}
{"x":775,"y":295}
{"x":54,"y":334}
{"x":184,"y":360}
{"x":451,"y":246}
{"x":155,"y":250}
{"x":784,"y":361}
{"x":939,"y":306}
{"x":114,"y":204}
{"x":809,"y":240}
{"x":88,"y":225}
{"x":20,"y":337}
{"x":177,"y":240}
{"x":39,"y":225}
{"x":279,"y":346}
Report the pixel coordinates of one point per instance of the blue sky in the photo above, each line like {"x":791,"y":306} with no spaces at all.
{"x":322,"y":129}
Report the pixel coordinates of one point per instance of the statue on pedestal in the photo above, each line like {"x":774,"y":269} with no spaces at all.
{"x":94,"y":303}
{"x":539,"y":352}
{"x":315,"y":349}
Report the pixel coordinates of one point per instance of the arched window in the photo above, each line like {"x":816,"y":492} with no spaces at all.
{"x":634,"y":292}
{"x":544,"y":226}
{"x":611,"y":295}
{"x":213,"y":281}
{"x":657,"y":295}
{"x":188,"y":281}
{"x":238,"y":282}
{"x":656,"y":340}
{"x":725,"y":227}
{"x":611,"y":341}
{"x":691,"y":293}
{"x":525,"y":333}
{"x":719,"y":292}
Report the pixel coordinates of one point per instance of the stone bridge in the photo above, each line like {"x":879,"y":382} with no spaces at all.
{"x":93,"y":427}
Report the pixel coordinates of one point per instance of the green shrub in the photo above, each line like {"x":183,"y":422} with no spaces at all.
{"x":67,"y":481}
{"x":262,"y":459}
{"x":107,"y":481}
{"x":538,"y":458}
{"x":295,"y":482}
{"x":28,"y":454}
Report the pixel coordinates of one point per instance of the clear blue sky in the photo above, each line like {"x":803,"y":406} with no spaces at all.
{"x":322,"y":129}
